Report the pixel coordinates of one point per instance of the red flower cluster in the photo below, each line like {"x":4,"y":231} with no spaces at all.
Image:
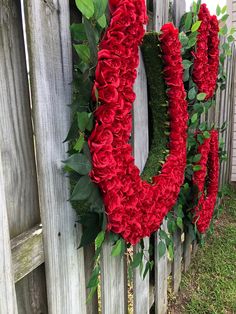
{"x":134,"y":208}
{"x":206,"y":62}
{"x":209,"y":174}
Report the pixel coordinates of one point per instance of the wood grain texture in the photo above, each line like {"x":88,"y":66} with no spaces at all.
{"x":7,"y":288}
{"x":177,"y":262}
{"x":113,"y":282}
{"x":27,"y":252}
{"x":49,"y":44}
{"x":160,"y":13}
{"x":161,"y":275}
{"x":187,"y":251}
{"x":16,"y":146}
{"x":141,"y":286}
{"x":179,"y":8}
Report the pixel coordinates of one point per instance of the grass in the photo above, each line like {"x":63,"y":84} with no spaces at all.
{"x":210,"y":285}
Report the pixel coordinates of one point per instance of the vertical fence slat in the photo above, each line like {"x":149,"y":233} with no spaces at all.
{"x":160,"y":13}
{"x":49,"y":45}
{"x":176,"y":264}
{"x":187,"y":251}
{"x":179,"y":8}
{"x":161,"y":276}
{"x":114,"y":289}
{"x":16,"y":148}
{"x":7,"y":288}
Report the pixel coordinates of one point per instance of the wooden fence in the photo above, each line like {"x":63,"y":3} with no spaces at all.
{"x":41,"y":269}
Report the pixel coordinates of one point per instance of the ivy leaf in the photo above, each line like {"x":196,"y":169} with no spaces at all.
{"x":187,"y":64}
{"x":188,"y":21}
{"x":197,"y":158}
{"x":83,"y":52}
{"x":79,"y":143}
{"x":86,"y":7}
{"x":224,"y":30}
{"x":224,"y":17}
{"x":197,"y":168}
{"x":230,"y":38}
{"x":137,"y":259}
{"x":200,"y":138}
{"x":100,"y":239}
{"x":100,"y":8}
{"x":102,"y":21}
{"x":206,"y":134}
{"x":171,"y":251}
{"x":194,"y":118}
{"x":201,"y":96}
{"x":161,"y":249}
{"x":223,"y":10}
{"x":117,"y":249}
{"x":179,"y":223}
{"x":218,"y":10}
{"x":78,"y":32}
{"x":196,"y":26}
{"x":93,"y":282}
{"x":79,"y":163}
{"x":192,"y":93}
{"x":83,"y":189}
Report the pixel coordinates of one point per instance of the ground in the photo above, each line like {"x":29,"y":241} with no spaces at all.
{"x":209,"y":287}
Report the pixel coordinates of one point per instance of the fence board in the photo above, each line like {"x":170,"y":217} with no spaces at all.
{"x":47,"y":27}
{"x":160,"y":13}
{"x":161,"y":275}
{"x":113,"y":282}
{"x":16,"y":146}
{"x":176,"y":264}
{"x":7,"y":289}
{"x":179,"y":8}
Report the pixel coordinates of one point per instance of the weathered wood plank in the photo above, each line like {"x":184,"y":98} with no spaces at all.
{"x":49,"y":44}
{"x":113,"y":282}
{"x":7,"y":289}
{"x":160,"y":13}
{"x":187,"y":251}
{"x":176,"y":264}
{"x":161,"y":275}
{"x":141,"y":286}
{"x":27,"y":252}
{"x":179,"y":8}
{"x":16,"y":146}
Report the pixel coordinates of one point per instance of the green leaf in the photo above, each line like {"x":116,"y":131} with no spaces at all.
{"x":86,"y":7}
{"x":89,"y":125}
{"x":188,"y":21}
{"x":196,"y":26}
{"x":148,"y":267}
{"x":100,"y":7}
{"x":83,"y":119}
{"x":206,"y":134}
{"x":161,"y":249}
{"x":192,"y":93}
{"x":183,"y":39}
{"x":137,"y":259}
{"x":100,"y":239}
{"x":79,"y":163}
{"x":117,"y":249}
{"x":82,"y":190}
{"x":201,"y":96}
{"x":197,"y":168}
{"x":200,"y":138}
{"x":91,"y":294}
{"x":170,"y":251}
{"x":179,"y":223}
{"x":224,"y":9}
{"x":218,"y":10}
{"x":93,"y":282}
{"x":224,"y":17}
{"x":93,"y":39}
{"x":79,"y":143}
{"x":83,"y":52}
{"x":102,"y":21}
{"x":232,"y":30}
{"x":224,"y":30}
{"x":230,"y":38}
{"x":194,"y":7}
{"x":197,"y":158}
{"x":194,"y":118}
{"x":187,"y":64}
{"x":78,"y":32}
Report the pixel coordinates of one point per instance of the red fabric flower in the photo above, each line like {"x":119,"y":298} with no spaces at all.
{"x":209,"y":174}
{"x":206,"y":62}
{"x":134,"y":208}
